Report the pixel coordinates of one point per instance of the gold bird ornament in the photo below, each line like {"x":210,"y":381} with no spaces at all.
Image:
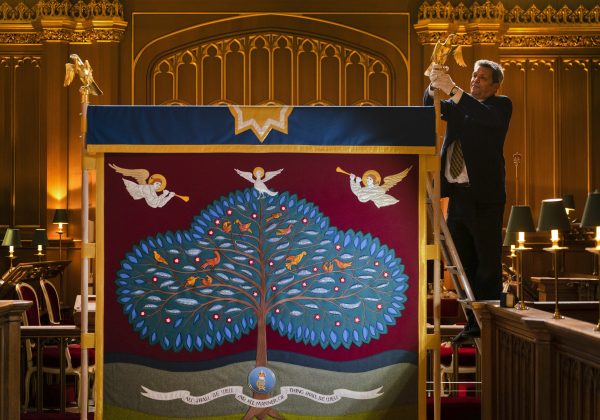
{"x":84,"y":71}
{"x":442,"y":51}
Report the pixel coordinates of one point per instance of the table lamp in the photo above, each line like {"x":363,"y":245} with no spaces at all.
{"x":40,"y":240}
{"x":12,"y":239}
{"x":553,"y":218}
{"x":569,"y":203}
{"x":519,"y":222}
{"x":60,"y":218}
{"x":510,"y":239}
{"x":591,"y":219}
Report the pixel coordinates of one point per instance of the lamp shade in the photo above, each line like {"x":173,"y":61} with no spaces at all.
{"x":553,"y":215}
{"x":510,"y":238}
{"x":569,"y":201}
{"x":520,"y":220}
{"x":60,"y":216}
{"x":12,"y":237}
{"x":39,"y":237}
{"x":591,"y":212}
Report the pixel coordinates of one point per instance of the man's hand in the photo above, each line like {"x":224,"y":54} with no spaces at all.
{"x":443,"y":81}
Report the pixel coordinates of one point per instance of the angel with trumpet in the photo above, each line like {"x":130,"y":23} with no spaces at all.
{"x":372,"y":189}
{"x":147,"y":186}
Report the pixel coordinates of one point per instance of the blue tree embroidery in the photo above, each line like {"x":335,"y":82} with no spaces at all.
{"x":248,"y":262}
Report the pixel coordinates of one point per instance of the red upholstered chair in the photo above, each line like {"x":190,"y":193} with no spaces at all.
{"x":31,"y":317}
{"x":72,"y":351}
{"x":52,"y":301}
{"x":466,"y":363}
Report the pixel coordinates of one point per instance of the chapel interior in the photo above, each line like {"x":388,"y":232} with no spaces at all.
{"x":313,"y":53}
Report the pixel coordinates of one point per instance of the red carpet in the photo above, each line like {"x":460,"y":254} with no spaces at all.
{"x":457,"y":408}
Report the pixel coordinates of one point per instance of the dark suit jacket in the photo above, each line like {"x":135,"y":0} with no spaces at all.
{"x":481,"y":128}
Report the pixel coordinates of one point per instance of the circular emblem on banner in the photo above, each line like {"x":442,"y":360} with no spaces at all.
{"x":261,"y":380}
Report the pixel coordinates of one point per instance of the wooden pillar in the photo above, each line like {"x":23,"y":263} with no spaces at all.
{"x":10,"y":354}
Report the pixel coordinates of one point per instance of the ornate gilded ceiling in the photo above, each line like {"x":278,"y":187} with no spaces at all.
{"x":492,"y":23}
{"x":62,"y":20}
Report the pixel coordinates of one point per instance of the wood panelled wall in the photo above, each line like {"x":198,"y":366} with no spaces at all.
{"x":283,"y":51}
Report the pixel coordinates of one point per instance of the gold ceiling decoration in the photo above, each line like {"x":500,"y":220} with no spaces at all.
{"x":492,"y":23}
{"x":62,"y":20}
{"x":439,"y":11}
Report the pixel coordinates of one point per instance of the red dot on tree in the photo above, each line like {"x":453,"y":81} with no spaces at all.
{"x":317,"y":317}
{"x":283,"y":208}
{"x":273,"y":288}
{"x":304,"y":220}
{"x":379,"y":306}
{"x":303,"y":284}
{"x":211,"y":232}
{"x":229,"y":212}
{"x":356,"y":319}
{"x":217,"y":222}
{"x":342,"y":279}
{"x":229,"y":320}
{"x":154,"y":279}
{"x":338,"y":246}
{"x":216,"y":316}
{"x":197,"y":259}
{"x":336,"y":289}
{"x":277,"y":310}
{"x":376,"y":263}
{"x":143,"y":313}
{"x":338,"y":323}
{"x":168,"y":320}
{"x":271,"y":263}
{"x":315,"y":269}
{"x":386,"y":274}
{"x":176,"y":260}
{"x":254,"y":215}
{"x":251,"y":262}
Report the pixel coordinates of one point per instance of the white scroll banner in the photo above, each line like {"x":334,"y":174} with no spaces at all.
{"x":237,"y":392}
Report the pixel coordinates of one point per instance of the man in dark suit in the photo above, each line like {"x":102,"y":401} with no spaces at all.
{"x":473,"y":175}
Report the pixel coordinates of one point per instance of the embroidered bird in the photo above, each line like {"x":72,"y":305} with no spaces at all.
{"x":442,"y":50}
{"x":207,"y":281}
{"x":342,"y":264}
{"x":293,"y":260}
{"x":159,"y":258}
{"x":244,"y":227}
{"x":284,"y":231}
{"x":258,"y":177}
{"x":84,"y":71}
{"x":227,"y":226}
{"x":274,"y":216}
{"x":191,"y":280}
{"x":328,"y":267}
{"x":211,"y":262}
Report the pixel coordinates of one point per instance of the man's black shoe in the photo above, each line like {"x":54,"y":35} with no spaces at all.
{"x":466,"y":335}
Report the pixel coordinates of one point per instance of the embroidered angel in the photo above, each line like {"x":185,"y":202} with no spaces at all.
{"x":372,"y":190}
{"x":147,"y":186}
{"x":258,"y":177}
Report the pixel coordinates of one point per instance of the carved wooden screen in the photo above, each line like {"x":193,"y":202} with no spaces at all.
{"x":313,"y":61}
{"x":271,"y":68}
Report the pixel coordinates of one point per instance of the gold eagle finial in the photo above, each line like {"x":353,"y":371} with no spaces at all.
{"x":442,"y":51}
{"x":84,"y":71}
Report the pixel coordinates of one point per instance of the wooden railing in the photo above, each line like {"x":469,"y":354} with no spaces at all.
{"x":10,"y":353}
{"x":537,"y":367}
{"x":58,"y":335}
